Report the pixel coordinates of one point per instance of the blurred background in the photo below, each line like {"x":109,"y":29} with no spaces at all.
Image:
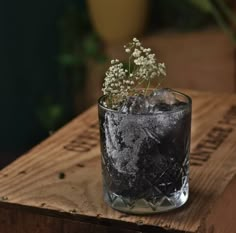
{"x":54,"y":55}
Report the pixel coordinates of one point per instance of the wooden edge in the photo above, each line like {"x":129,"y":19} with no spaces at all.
{"x":80,"y":119}
{"x":98,"y":220}
{"x":221,"y":217}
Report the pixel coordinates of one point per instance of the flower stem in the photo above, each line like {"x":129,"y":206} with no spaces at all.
{"x":157,"y":86}
{"x":148,"y":85}
{"x":129,"y":64}
{"x":139,"y":83}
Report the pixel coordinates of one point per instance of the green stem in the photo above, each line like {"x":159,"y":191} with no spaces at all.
{"x":129,"y":64}
{"x":139,"y":83}
{"x":157,"y":86}
{"x":149,"y":82}
{"x":110,"y":102}
{"x":133,"y":90}
{"x":130,"y":57}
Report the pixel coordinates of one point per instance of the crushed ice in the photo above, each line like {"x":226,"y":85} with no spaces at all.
{"x":158,"y":101}
{"x":125,"y":133}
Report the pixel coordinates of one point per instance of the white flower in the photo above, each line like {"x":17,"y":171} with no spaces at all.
{"x":153,"y":74}
{"x":127,"y":50}
{"x":136,"y":53}
{"x":120,"y":82}
{"x":147,"y":50}
{"x":162,"y":69}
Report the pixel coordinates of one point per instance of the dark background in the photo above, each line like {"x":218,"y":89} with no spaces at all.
{"x":29,"y":70}
{"x":35,"y":93}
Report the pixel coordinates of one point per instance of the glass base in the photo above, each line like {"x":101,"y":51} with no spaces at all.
{"x":143,"y":206}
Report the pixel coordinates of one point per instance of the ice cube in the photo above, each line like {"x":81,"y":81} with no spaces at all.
{"x":135,"y":105}
{"x":159,"y":101}
{"x":138,"y":106}
{"x":164,"y":95}
{"x":162,"y":107}
{"x":125,"y":107}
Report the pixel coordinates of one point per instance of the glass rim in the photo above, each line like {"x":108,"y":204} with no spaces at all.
{"x":188,"y":105}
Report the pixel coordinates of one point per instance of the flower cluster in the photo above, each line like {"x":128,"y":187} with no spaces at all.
{"x":142,"y":68}
{"x":117,"y":84}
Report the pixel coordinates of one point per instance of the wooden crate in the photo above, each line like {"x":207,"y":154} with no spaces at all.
{"x":56,"y":187}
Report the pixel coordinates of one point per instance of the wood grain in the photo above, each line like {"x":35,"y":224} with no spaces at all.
{"x":56,"y":187}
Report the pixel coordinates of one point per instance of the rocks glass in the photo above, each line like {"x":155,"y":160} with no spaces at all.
{"x":145,"y":154}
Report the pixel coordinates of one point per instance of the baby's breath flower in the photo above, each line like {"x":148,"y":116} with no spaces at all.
{"x":119,"y":83}
{"x":127,"y":50}
{"x":136,"y":53}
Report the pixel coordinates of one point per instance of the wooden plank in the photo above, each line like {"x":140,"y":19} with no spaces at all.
{"x":58,"y":183}
{"x":18,"y":220}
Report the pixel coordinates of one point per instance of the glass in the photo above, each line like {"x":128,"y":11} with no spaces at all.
{"x":145,"y":158}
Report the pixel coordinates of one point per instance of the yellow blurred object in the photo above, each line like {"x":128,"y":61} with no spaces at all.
{"x":117,"y":21}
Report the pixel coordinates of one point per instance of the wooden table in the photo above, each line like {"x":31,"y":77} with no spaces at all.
{"x":56,"y":187}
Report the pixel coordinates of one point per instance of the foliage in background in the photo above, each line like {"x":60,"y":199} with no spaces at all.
{"x":79,"y":43}
{"x":222,"y":13}
{"x":178,"y":15}
{"x":188,"y":15}
{"x":51,"y":114}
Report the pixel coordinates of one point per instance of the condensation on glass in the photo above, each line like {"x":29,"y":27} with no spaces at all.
{"x":145,"y":158}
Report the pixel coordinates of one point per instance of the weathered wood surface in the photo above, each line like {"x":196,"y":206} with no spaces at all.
{"x":56,"y":187}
